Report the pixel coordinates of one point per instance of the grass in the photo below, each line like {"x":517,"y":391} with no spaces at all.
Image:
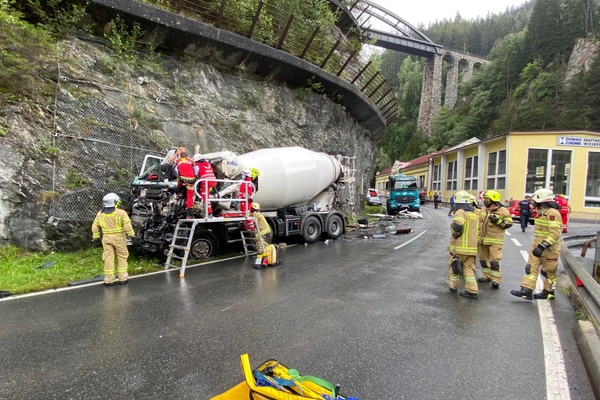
{"x":20,"y":272}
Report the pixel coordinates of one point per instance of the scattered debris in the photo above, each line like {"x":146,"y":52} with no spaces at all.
{"x":379,"y":236}
{"x":403,"y":230}
{"x":46,"y":265}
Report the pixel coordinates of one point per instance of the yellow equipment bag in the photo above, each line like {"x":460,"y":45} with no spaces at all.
{"x":272,"y":255}
{"x":273,"y":381}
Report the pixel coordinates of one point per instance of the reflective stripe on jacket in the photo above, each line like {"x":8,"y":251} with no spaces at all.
{"x":489,"y":232}
{"x":548,"y":227}
{"x":466,"y":243}
{"x":116,"y":222}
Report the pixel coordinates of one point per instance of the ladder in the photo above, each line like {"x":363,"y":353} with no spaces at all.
{"x":250,"y":237}
{"x":182,"y":240}
{"x":349,"y":164}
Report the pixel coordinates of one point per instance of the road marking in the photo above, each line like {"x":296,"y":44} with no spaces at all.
{"x":508,"y":233}
{"x":557,"y":385}
{"x":516,"y":242}
{"x":525,"y":255}
{"x":415,"y":238}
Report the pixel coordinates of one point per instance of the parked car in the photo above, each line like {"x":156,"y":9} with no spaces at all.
{"x":515,"y":211}
{"x":373,"y":197}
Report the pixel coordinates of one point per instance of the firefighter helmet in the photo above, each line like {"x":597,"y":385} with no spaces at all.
{"x":462,"y":197}
{"x":246,"y":172}
{"x":492,"y":195}
{"x":473,"y":199}
{"x":543,"y":196}
{"x":111,"y":200}
{"x":256,"y":206}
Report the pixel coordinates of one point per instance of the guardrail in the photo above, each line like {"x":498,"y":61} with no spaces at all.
{"x":589,"y":291}
{"x":321,"y":46}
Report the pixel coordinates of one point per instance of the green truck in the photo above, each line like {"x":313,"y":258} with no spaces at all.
{"x":404,"y":194}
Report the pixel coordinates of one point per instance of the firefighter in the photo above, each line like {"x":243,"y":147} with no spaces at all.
{"x":463,"y":246}
{"x":263,"y":226}
{"x":246,"y":190}
{"x":564,"y":210}
{"x":204,"y":170}
{"x":113,"y":223}
{"x":186,"y":179}
{"x":494,"y":219}
{"x":545,"y":248}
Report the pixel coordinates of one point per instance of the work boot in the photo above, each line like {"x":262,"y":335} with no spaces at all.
{"x":483,"y":279}
{"x":468,"y":295}
{"x":108,"y":283}
{"x":495,"y":285}
{"x":543,"y":295}
{"x":452,"y":289}
{"x":123,"y":282}
{"x":523,"y":292}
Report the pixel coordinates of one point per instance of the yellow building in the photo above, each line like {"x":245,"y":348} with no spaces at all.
{"x":519,"y":163}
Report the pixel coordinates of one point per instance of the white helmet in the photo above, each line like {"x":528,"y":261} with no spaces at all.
{"x":111,"y":200}
{"x":462,"y":197}
{"x":543,"y":196}
{"x":246,"y":172}
{"x":197,"y":157}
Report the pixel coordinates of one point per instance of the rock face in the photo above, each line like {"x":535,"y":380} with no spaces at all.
{"x":60,"y":159}
{"x":584,"y":53}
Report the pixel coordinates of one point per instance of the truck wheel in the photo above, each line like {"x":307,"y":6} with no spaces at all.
{"x":204,"y":246}
{"x":311,"y":229}
{"x":335,"y":227}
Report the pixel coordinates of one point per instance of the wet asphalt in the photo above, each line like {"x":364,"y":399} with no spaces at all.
{"x":365,"y":313}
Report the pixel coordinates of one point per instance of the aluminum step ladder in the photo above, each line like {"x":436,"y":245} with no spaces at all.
{"x":182,"y":240}
{"x":249,"y":239}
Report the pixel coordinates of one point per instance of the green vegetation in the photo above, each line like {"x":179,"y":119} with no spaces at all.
{"x":22,"y":272}
{"x":123,"y":41}
{"x":3,"y":130}
{"x":74,"y":180}
{"x":522,"y":88}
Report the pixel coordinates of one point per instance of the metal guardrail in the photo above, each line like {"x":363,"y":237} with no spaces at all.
{"x":589,"y":292}
{"x":321,"y":46}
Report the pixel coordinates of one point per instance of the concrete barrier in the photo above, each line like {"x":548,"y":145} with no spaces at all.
{"x":588,"y":342}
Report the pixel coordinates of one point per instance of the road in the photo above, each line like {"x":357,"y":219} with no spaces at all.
{"x":372,"y":315}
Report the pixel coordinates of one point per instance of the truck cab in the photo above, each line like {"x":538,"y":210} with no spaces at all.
{"x":404,"y":194}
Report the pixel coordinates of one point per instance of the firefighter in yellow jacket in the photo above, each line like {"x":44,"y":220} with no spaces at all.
{"x":494,"y":219}
{"x":463,"y":246}
{"x":113,"y":223}
{"x":263,"y":226}
{"x":545,"y":248}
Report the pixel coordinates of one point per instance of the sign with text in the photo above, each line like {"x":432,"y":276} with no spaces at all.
{"x":577,"y":141}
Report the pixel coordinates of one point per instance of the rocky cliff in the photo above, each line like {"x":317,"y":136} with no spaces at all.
{"x":583,"y":55}
{"x":61,"y":158}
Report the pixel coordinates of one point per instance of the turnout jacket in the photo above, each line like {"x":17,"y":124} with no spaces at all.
{"x":463,"y":229}
{"x":116,"y":222}
{"x":548,"y":227}
{"x":490,"y":232}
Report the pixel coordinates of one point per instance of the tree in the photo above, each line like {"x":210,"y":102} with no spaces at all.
{"x":543,"y":38}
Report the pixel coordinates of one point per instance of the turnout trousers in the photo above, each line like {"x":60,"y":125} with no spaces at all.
{"x":547,"y":265}
{"x":115,"y":245}
{"x":489,"y":258}
{"x":468,"y":271}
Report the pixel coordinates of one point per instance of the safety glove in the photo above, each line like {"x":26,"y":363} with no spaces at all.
{"x":96,"y":243}
{"x":496,"y":220}
{"x":537,"y":252}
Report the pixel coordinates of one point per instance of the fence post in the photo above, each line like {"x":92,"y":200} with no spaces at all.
{"x":255,"y":20}
{"x":361,"y":72}
{"x":385,"y":94}
{"x":285,"y":32}
{"x":335,"y":46}
{"x":309,"y":42}
{"x":370,"y":80}
{"x":220,"y":16}
{"x":347,"y":62}
{"x":179,"y":6}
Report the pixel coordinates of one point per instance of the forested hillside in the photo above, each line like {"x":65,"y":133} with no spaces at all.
{"x":525,"y":87}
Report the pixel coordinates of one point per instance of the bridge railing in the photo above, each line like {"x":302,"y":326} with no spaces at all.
{"x":322,"y":46}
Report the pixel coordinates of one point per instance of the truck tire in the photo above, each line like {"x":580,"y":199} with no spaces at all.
{"x":311,"y":229}
{"x":205,"y":245}
{"x":334,"y":227}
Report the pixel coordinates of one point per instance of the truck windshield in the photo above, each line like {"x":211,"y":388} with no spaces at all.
{"x":408,"y":184}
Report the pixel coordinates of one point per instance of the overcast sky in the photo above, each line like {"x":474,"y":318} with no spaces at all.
{"x":428,"y":11}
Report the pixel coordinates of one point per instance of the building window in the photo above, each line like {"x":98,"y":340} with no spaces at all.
{"x":451,"y":179}
{"x":471,"y":172}
{"x":496,"y":176}
{"x":436,"y":184}
{"x":592,"y":183}
{"x":548,"y":168}
{"x":421,"y":180}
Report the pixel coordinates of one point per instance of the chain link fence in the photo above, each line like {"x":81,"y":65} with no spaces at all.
{"x":105,"y":125}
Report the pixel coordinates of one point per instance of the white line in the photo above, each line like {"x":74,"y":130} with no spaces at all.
{"x":415,"y":238}
{"x":525,"y":255}
{"x":516,"y":242}
{"x":557,"y":385}
{"x":508,"y":233}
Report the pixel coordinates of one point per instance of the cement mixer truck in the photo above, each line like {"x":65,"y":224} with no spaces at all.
{"x":300,"y":191}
